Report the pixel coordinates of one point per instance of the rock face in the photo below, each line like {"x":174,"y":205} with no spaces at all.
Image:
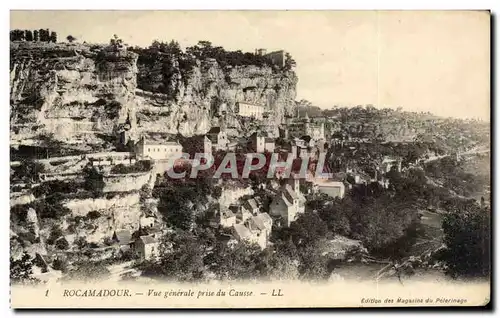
{"x":195,"y":99}
{"x":70,"y":93}
{"x":75,"y":92}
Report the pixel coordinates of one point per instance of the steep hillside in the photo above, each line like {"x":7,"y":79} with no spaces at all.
{"x":80,"y":92}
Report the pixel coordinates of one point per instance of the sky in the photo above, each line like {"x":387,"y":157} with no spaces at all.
{"x":437,"y":61}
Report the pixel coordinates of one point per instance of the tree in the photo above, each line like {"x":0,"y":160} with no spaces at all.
{"x":93,"y":215}
{"x":17,"y":35}
{"x":308,"y":229}
{"x":70,"y":38}
{"x":313,"y":264}
{"x":181,"y":258}
{"x":467,"y":231}
{"x":53,"y":37}
{"x":55,"y":233}
{"x":44,"y":35}
{"x":36,"y":36}
{"x":335,"y":216}
{"x":116,"y":42}
{"x":21,"y":270}
{"x":60,"y":264}
{"x":282,"y":261}
{"x":88,"y":272}
{"x":94,"y":180}
{"x":289,"y":62}
{"x":240,"y":262}
{"x":29,"y":35}
{"x":145,"y":192}
{"x":81,"y":242}
{"x":29,"y":171}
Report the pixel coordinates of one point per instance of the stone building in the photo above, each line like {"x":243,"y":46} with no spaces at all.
{"x":146,"y":247}
{"x":289,"y":202}
{"x":260,"y":143}
{"x":334,"y":189}
{"x":305,"y":127}
{"x":245,"y":109}
{"x":157,"y":150}
{"x":218,"y":138}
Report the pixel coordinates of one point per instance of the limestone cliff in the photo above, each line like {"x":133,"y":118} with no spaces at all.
{"x":194,"y":99}
{"x":69,"y":91}
{"x":79,"y":92}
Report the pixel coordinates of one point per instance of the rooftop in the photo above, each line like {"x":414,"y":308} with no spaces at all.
{"x":214,"y":130}
{"x":123,"y":236}
{"x":160,"y":142}
{"x":252,"y":203}
{"x":147,"y":239}
{"x":242,"y":231}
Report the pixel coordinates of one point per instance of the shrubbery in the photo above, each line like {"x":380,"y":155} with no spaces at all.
{"x":139,"y":166}
{"x":467,"y":230}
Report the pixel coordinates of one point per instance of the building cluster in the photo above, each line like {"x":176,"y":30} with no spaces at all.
{"x":142,"y":244}
{"x":251,"y":220}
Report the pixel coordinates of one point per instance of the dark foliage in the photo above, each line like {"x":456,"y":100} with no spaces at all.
{"x":42,"y":35}
{"x":21,"y":270}
{"x":467,"y":237}
{"x":94,"y":180}
{"x":139,"y":166}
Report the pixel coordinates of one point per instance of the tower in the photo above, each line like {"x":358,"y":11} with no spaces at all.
{"x":294,"y":181}
{"x":322,"y":130}
{"x":307,"y":125}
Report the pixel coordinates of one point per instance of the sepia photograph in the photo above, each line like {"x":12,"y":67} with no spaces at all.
{"x":250,"y":159}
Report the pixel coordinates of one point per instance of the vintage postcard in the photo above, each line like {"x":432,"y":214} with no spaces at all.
{"x":249,"y":159}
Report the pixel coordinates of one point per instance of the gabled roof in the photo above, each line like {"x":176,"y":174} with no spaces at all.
{"x":123,"y":236}
{"x":285,"y":200}
{"x":242,"y":231}
{"x":214,"y":130}
{"x":147,"y":239}
{"x":226,"y":213}
{"x":252,"y":203}
{"x":257,"y":134}
{"x":288,"y":190}
{"x":263,"y":221}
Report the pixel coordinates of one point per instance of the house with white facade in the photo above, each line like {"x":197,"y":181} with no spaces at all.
{"x":334,"y":189}
{"x":289,"y":202}
{"x":261,"y":222}
{"x":225,"y":217}
{"x":243,"y":233}
{"x":260,"y":143}
{"x":245,"y":109}
{"x":157,"y":150}
{"x":218,"y":138}
{"x":146,"y":247}
{"x":251,"y":206}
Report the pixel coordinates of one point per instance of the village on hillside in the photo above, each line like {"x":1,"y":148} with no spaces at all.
{"x":97,"y":135}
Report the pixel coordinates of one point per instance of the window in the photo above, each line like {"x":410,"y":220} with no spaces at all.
{"x":149,"y":150}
